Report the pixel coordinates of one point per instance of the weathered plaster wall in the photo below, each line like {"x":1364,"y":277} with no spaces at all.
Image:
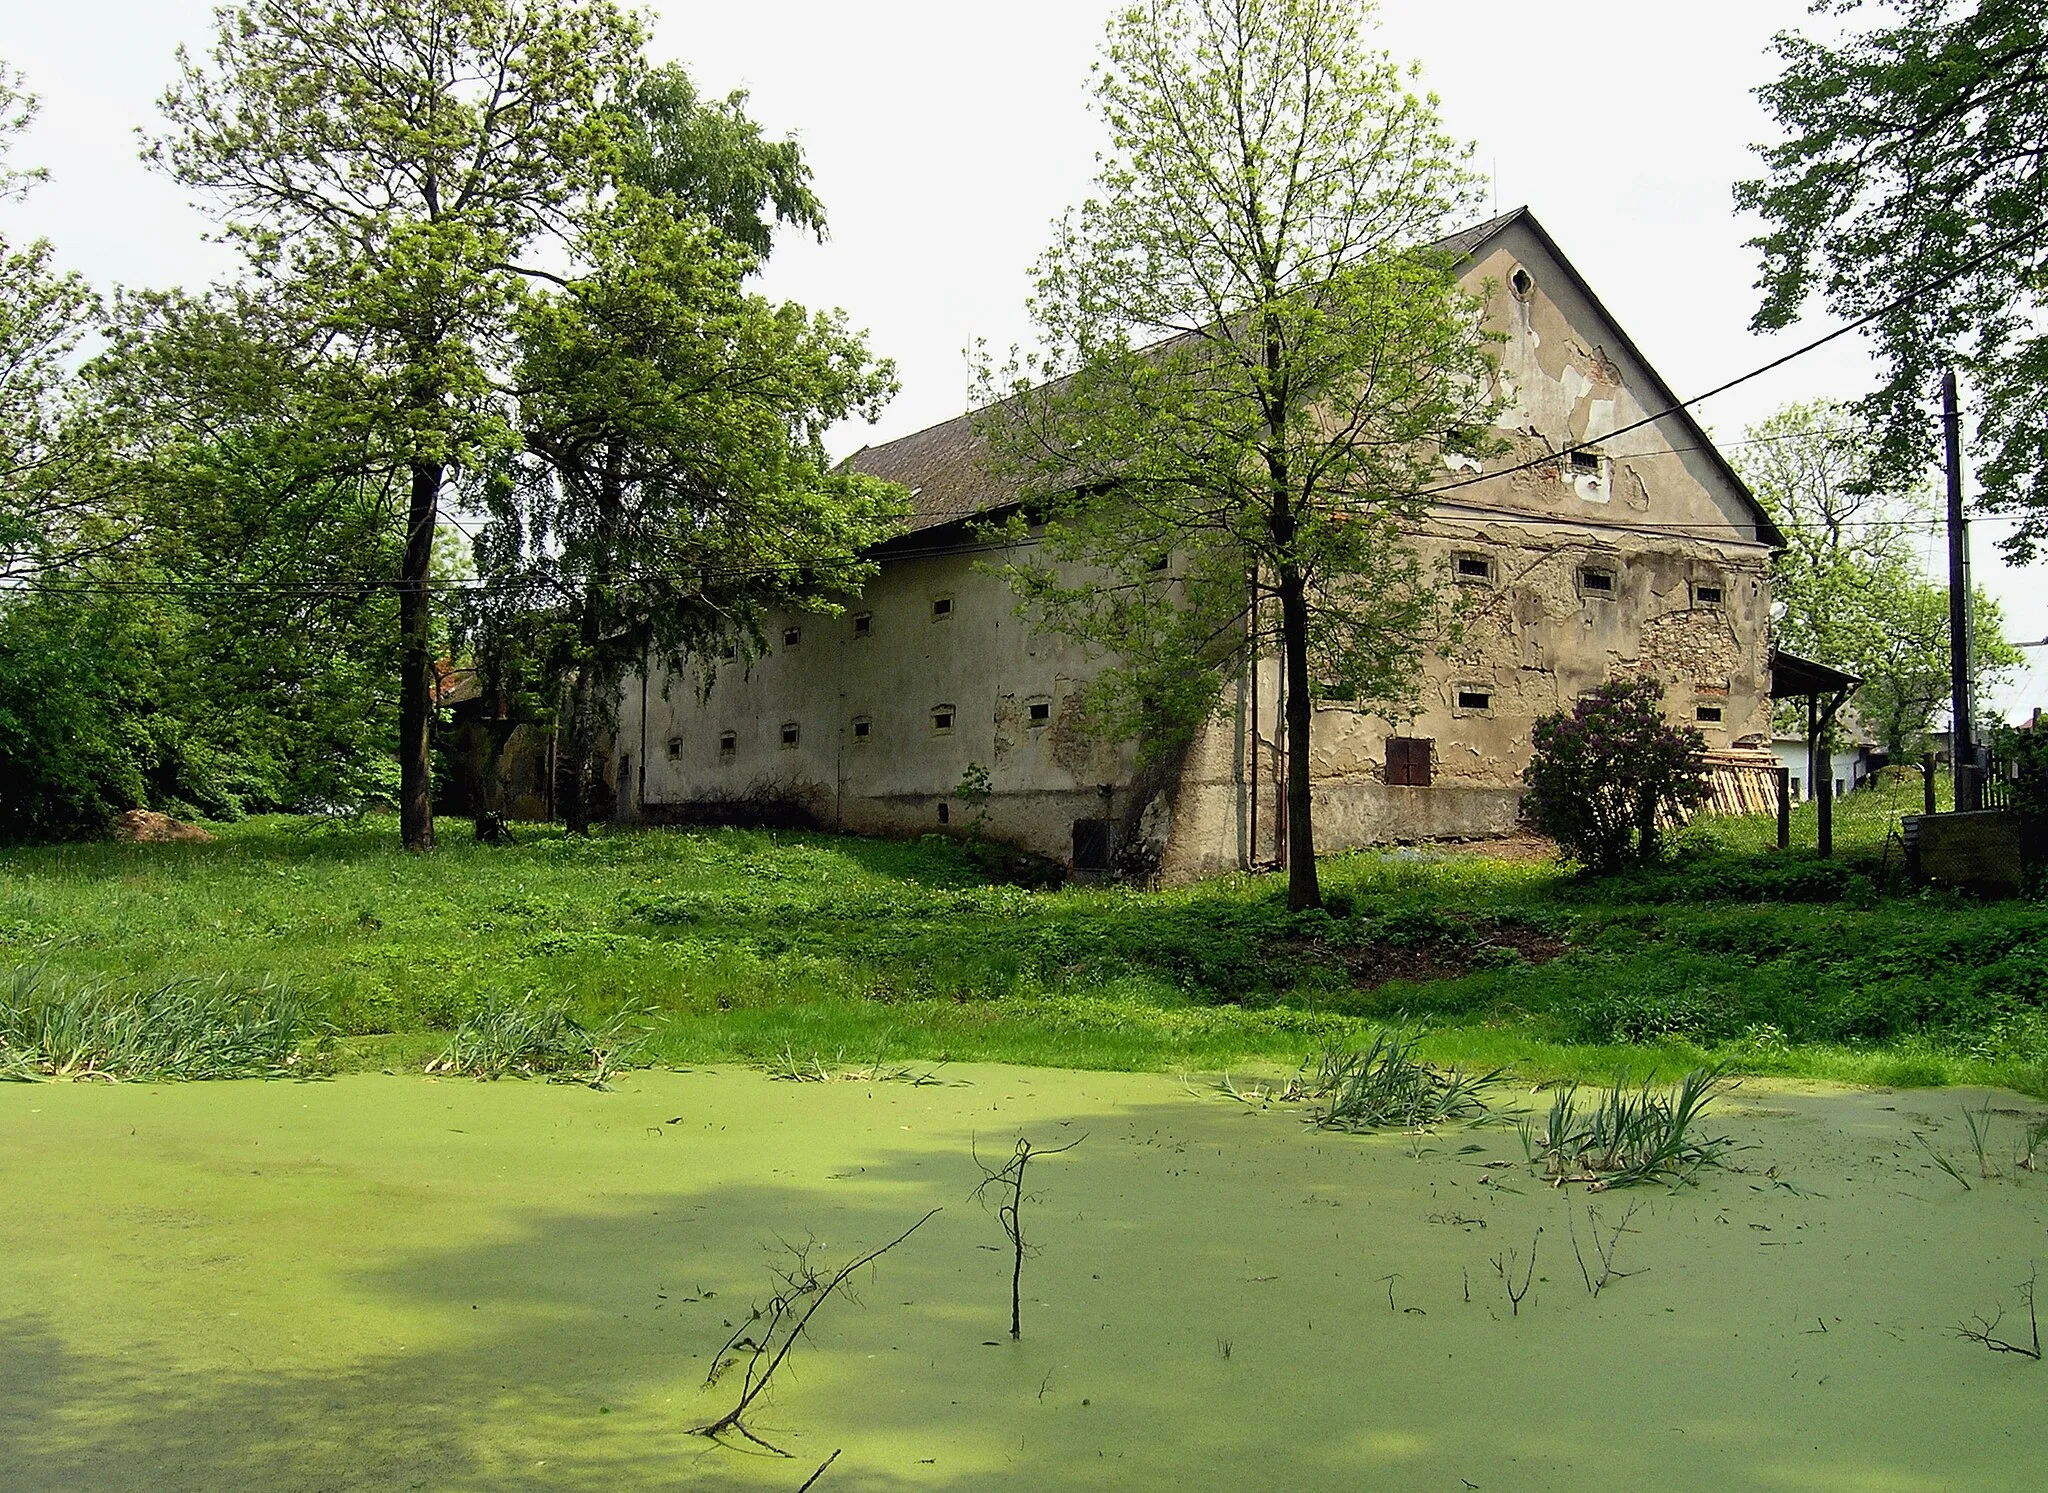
{"x":978,"y":661}
{"x":1650,"y":508}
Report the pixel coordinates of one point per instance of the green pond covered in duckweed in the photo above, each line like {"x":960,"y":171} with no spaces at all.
{"x":388,"y":1282}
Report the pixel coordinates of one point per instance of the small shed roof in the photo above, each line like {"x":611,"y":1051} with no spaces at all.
{"x":1793,"y":677}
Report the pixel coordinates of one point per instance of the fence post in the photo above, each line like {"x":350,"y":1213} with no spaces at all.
{"x":1784,"y":808}
{"x":1826,"y":804}
{"x":1927,"y":781}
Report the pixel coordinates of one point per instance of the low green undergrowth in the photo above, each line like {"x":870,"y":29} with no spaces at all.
{"x":749,"y":945}
{"x":51,"y":1027}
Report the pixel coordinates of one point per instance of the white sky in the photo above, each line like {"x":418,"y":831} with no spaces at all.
{"x":947,"y":134}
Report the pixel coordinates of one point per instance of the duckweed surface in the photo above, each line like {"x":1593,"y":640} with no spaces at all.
{"x":389,"y":1282}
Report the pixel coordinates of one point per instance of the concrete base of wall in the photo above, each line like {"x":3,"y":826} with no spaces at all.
{"x":1995,"y":852}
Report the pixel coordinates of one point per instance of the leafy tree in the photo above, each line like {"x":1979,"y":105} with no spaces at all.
{"x":711,"y":157}
{"x":1250,"y":365}
{"x":1849,"y":587}
{"x":1607,"y":773}
{"x":43,"y":316}
{"x":383,"y":164}
{"x":1912,"y":172}
{"x":679,"y":483}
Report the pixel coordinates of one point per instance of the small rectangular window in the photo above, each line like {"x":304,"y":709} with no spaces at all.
{"x":1706,"y":596}
{"x":863,"y":624}
{"x":942,"y":719}
{"x":1585,"y":463}
{"x":862,"y":728}
{"x":1597,"y":582}
{"x":1041,"y":712}
{"x":1474,"y":699}
{"x":942,"y":608}
{"x":728,"y":743}
{"x":730,"y":651}
{"x":789,"y":733}
{"x":1474,"y":568}
{"x":1707,"y":714}
{"x":791,"y":636}
{"x":675,"y":749}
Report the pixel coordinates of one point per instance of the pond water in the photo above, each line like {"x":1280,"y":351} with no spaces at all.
{"x":389,"y":1282}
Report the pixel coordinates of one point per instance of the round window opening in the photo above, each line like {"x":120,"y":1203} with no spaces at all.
{"x":1522,"y":284}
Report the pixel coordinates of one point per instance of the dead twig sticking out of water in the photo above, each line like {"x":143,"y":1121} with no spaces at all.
{"x":1009,"y":1177}
{"x":1504,"y":1266}
{"x":821,"y":1470}
{"x":1985,"y":1330}
{"x":1604,"y":1249}
{"x":806,"y":1287}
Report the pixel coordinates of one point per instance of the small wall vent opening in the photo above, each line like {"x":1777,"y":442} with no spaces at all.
{"x":1474,"y":699}
{"x":1707,"y":714}
{"x":675,"y":749}
{"x":1706,"y":596}
{"x":728,"y":743}
{"x":791,"y":636}
{"x":1041,"y":712}
{"x":945,"y":813}
{"x":942,"y":719}
{"x":1474,"y":568}
{"x":790,"y":733}
{"x":731,"y":651}
{"x":862,"y":729}
{"x":942,"y":608}
{"x":1596,"y":582}
{"x":863,"y":624}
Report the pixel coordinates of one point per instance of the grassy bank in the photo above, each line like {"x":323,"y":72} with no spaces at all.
{"x":743,"y":945}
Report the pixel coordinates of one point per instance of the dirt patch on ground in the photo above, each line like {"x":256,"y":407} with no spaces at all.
{"x":1513,"y":848}
{"x":1493,"y":946}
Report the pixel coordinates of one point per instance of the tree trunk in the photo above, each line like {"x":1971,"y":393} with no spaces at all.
{"x":590,"y":631}
{"x":416,"y":662}
{"x":1303,"y":889}
{"x":582,"y":749}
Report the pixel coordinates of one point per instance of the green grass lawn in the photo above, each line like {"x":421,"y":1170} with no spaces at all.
{"x":746,"y":945}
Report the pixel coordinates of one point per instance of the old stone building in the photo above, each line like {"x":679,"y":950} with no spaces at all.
{"x":1638,"y":551}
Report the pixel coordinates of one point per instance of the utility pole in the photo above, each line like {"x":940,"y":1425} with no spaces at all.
{"x":1963,"y":751}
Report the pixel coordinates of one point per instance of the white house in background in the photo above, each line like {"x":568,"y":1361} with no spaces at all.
{"x":1613,"y":539}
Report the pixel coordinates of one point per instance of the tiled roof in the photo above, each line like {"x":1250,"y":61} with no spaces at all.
{"x":948,"y":480}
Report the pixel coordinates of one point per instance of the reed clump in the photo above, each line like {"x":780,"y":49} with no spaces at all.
{"x":533,"y":1038}
{"x":1631,"y":1134}
{"x":53,"y":1028}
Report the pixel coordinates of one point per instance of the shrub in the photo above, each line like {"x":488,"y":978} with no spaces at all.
{"x":1608,"y":774}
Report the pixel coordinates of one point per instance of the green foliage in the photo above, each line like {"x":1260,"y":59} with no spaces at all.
{"x":1250,"y":365}
{"x":383,"y":167}
{"x":2025,"y":754}
{"x":178,"y":1029}
{"x":44,"y":315}
{"x":1383,"y":1084}
{"x":678,"y":484}
{"x":741,"y":944}
{"x":1909,"y":166}
{"x":1606,"y":773}
{"x":531,"y":1038}
{"x":1848,"y":588}
{"x":1632,"y":1135}
{"x":709,"y":156}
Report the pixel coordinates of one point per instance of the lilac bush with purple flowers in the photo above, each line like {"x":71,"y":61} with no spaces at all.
{"x":1609,"y":774}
